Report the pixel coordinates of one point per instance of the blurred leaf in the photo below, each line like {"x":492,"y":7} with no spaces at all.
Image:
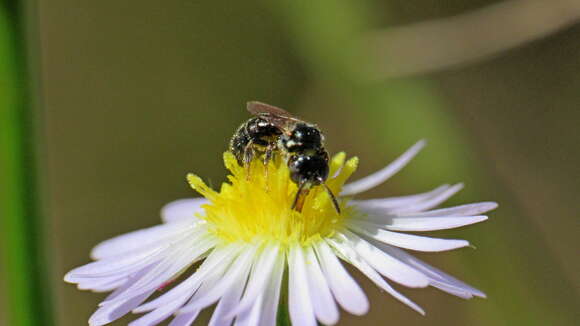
{"x":326,"y":34}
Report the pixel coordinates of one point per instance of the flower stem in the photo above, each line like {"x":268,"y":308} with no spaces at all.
{"x":21,"y":239}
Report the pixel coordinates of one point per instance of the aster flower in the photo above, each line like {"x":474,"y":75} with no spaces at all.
{"x":246,"y":235}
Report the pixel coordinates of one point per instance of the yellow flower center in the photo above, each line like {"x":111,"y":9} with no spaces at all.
{"x":256,"y":203}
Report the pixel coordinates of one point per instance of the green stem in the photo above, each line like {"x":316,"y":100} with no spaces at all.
{"x":26,"y":274}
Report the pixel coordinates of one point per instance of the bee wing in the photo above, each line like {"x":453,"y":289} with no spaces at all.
{"x":277,"y":116}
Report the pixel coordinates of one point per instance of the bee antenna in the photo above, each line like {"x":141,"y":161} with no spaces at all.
{"x":334,"y":201}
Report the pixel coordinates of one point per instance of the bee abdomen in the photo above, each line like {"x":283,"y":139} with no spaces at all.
{"x":261,"y":131}
{"x":254,"y":135}
{"x":239,"y":142}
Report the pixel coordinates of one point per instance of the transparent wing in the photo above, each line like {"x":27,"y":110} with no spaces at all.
{"x":275,"y":115}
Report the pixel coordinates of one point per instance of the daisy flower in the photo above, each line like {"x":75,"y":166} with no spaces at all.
{"x":232,"y":247}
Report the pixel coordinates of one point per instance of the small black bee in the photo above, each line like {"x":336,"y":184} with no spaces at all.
{"x":301,"y":145}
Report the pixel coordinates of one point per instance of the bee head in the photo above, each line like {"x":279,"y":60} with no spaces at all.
{"x":305,"y":169}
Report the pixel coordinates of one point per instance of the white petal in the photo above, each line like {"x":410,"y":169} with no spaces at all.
{"x":211,"y":273}
{"x":122,"y":265}
{"x":102,"y":284}
{"x":209,"y":282}
{"x":259,"y":277}
{"x":182,"y":209}
{"x":222,"y":314}
{"x":429,"y":203}
{"x":116,"y":310}
{"x":451,"y":289}
{"x":236,"y":273}
{"x":137,"y":240}
{"x":299,"y":303}
{"x":463,"y":210}
{"x":130,"y":281}
{"x":251,"y":317}
{"x":185,"y":319}
{"x":183,"y":255}
{"x":158,"y":315}
{"x":408,"y":241}
{"x":174,"y":301}
{"x":344,"y":288}
{"x":350,"y":256}
{"x":113,"y":311}
{"x":394,"y":202}
{"x":323,"y":303}
{"x":384,"y":263}
{"x":382,"y":175}
{"x":214,"y":264}
{"x":272,"y":294}
{"x":436,"y":277}
{"x":427,"y":223}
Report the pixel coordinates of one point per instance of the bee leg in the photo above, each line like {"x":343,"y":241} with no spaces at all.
{"x":248,"y":157}
{"x":301,"y":194}
{"x":268,"y":155}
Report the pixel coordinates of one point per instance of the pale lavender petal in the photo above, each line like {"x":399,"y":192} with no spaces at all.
{"x":272,"y":294}
{"x":394,"y":202}
{"x":259,"y":277}
{"x":137,"y":241}
{"x":463,"y":210}
{"x":437,"y":278}
{"x":323,"y":303}
{"x":122,"y":265}
{"x":251,"y":317}
{"x":382,"y":175}
{"x":236,"y":273}
{"x":214,"y":264}
{"x":175,"y":300}
{"x":180,"y":257}
{"x":384,"y":263}
{"x":106,"y":284}
{"x":111,"y":312}
{"x":222,"y":314}
{"x":115,"y":310}
{"x":185,"y":319}
{"x":426,"y":223}
{"x":351,"y":256}
{"x":158,"y":315}
{"x":209,"y":281}
{"x":182,"y":210}
{"x":344,"y":288}
{"x":299,"y":303}
{"x":429,"y":203}
{"x":408,"y":241}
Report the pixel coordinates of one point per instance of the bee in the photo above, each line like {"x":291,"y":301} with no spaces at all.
{"x":272,"y":131}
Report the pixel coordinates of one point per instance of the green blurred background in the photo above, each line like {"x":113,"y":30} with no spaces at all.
{"x":126,"y":97}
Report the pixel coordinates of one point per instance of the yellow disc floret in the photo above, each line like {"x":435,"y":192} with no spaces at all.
{"x":256,"y":203}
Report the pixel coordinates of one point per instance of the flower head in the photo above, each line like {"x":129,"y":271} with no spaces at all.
{"x":246,"y":235}
{"x":256,"y":204}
